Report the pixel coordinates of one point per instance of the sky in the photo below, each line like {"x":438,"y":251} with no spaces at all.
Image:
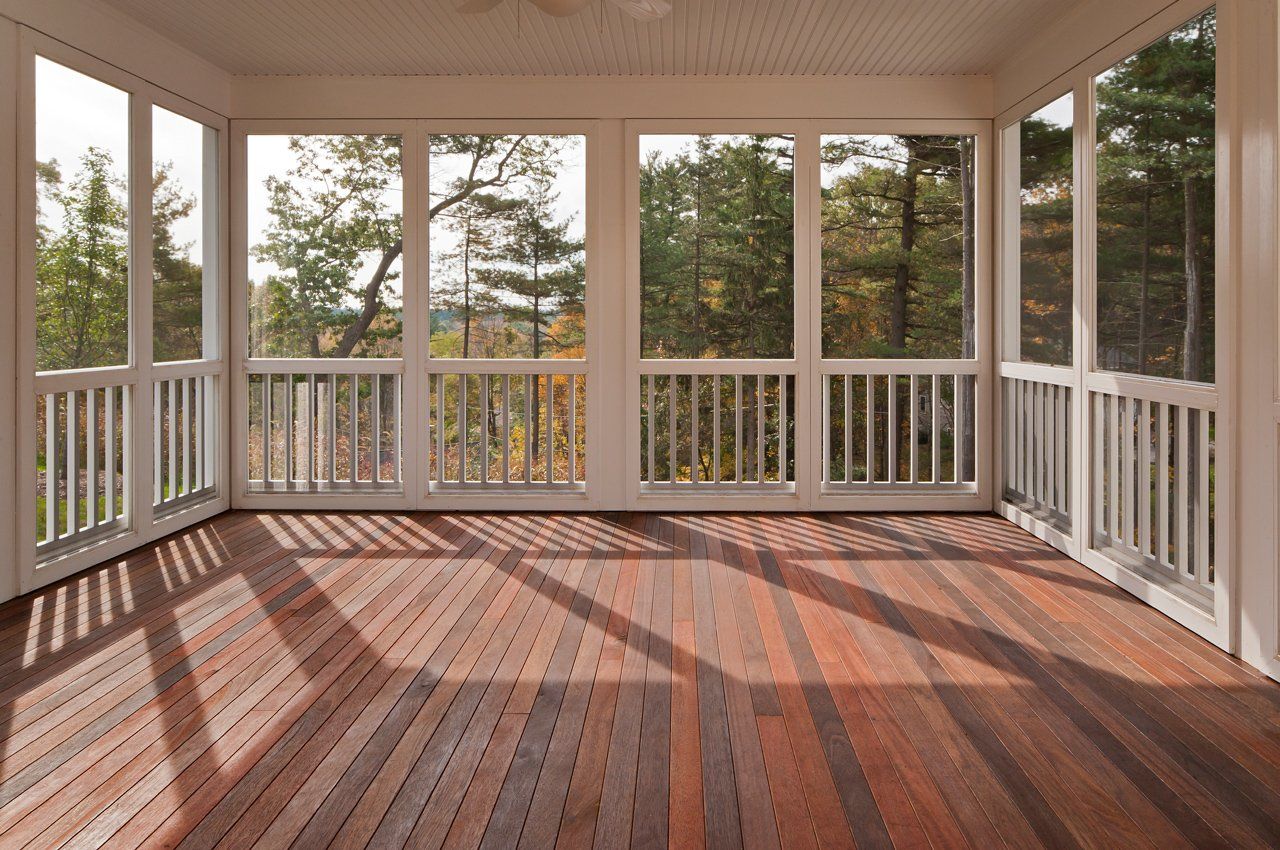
{"x":75,"y":112}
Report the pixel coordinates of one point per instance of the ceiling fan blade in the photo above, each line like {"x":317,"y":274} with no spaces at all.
{"x":476,"y":7}
{"x":644,"y":10}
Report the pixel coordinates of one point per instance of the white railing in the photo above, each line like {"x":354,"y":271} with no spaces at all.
{"x":507,"y":425}
{"x":717,"y":425}
{"x":83,"y":439}
{"x":319,"y":425}
{"x":184,"y":432}
{"x":1153,"y":473}
{"x":1037,"y":450}
{"x":900,"y":425}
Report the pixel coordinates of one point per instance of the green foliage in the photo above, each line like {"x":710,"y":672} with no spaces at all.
{"x":716,"y":249}
{"x":82,"y":266}
{"x":1046,"y":241}
{"x":178,"y":292}
{"x":896,"y":274}
{"x":330,"y":215}
{"x":1156,"y":148}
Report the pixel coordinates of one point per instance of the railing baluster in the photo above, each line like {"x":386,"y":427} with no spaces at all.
{"x":1064,"y":462}
{"x":110,"y":459}
{"x":353,"y":441}
{"x":1181,"y":491}
{"x":915,"y":426}
{"x":312,"y":429}
{"x":760,"y":414}
{"x":1045,"y":461}
{"x":198,"y":434}
{"x":651,"y":423}
{"x":737,"y":429}
{"x":871,"y":429}
{"x":1144,"y":479}
{"x":717,"y":448}
{"x":484,"y":429}
{"x":52,"y":467}
{"x":694,"y":413}
{"x":331,"y":428}
{"x":1202,"y":499}
{"x":847,"y":380}
{"x":157,"y":457}
{"x":73,"y":466}
{"x":672,"y":389}
{"x":572,"y":427}
{"x":550,"y":436}
{"x":375,"y":419}
{"x":506,"y":429}
{"x":528,"y":429}
{"x":1114,"y":413}
{"x":266,"y":428}
{"x":91,"y":457}
{"x":1128,"y":477}
{"x":440,"y":435}
{"x":1099,"y":462}
{"x":891,"y":446}
{"x":396,"y":448}
{"x":959,"y":394}
{"x":462,"y":428}
{"x":826,"y":429}
{"x":288,"y":431}
{"x":187,"y":479}
{"x":782,"y":429}
{"x":1162,"y":490}
{"x":935,"y":430}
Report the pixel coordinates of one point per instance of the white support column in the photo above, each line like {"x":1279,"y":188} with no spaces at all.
{"x":10,"y":437}
{"x":140,"y":319}
{"x":1253,"y":29}
{"x":613,"y":388}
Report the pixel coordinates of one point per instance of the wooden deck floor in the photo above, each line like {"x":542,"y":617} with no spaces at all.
{"x":536,"y":681}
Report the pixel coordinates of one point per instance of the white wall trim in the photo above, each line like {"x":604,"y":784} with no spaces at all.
{"x":612,"y":97}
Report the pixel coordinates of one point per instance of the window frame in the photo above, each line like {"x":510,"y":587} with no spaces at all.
{"x":140,"y":373}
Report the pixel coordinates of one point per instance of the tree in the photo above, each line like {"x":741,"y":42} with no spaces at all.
{"x":82,"y":267}
{"x":538,"y":271}
{"x":177,"y":295}
{"x":1156,"y":135}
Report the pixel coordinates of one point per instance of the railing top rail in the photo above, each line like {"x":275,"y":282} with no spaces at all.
{"x":324,"y":366}
{"x":186,"y":369}
{"x":1061,"y":376}
{"x":73,"y":380}
{"x":902,"y":366}
{"x":497,"y":366}
{"x":717,"y":367}
{"x":1163,"y":390}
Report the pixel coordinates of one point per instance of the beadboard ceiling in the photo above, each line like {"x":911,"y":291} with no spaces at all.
{"x":700,"y":37}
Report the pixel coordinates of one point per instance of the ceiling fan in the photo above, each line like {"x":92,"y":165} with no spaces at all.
{"x":643,"y":10}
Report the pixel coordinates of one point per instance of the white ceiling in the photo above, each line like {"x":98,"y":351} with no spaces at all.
{"x":703,"y":37}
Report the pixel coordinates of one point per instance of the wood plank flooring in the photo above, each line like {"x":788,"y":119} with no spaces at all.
{"x":529,"y":680}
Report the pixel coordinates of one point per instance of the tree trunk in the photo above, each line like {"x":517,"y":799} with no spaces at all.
{"x":369,"y":308}
{"x":906,"y":243}
{"x":1144,"y":290}
{"x":466,"y":291}
{"x":1192,"y":333}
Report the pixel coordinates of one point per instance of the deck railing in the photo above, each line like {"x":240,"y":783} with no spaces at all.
{"x":1153,"y":473}
{"x":717,"y":425}
{"x":184,"y":432}
{"x":83,"y":440}
{"x":900,"y":425}
{"x":508,"y":425}
{"x":1037,"y":450}
{"x":317,"y":425}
